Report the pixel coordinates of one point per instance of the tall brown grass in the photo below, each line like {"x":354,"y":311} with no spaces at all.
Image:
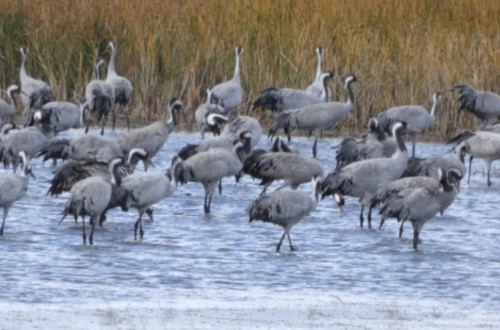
{"x":401,"y":51}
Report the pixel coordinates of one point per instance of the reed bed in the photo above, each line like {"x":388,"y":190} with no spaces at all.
{"x":401,"y":51}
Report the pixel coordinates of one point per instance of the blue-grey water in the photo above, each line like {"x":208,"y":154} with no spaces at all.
{"x":186,"y":254}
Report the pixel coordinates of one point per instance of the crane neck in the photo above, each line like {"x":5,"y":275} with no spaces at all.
{"x":98,"y":71}
{"x":22,"y":72}
{"x":316,"y":187}
{"x":399,"y":139}
{"x":114,"y":171}
{"x":236,"y":76}
{"x":12,"y":96}
{"x":434,"y":106}
{"x":318,"y":68}
{"x":348,"y":87}
{"x":111,"y":64}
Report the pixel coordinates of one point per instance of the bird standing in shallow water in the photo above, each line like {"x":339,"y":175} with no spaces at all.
{"x":13,"y":187}
{"x":285,"y":208}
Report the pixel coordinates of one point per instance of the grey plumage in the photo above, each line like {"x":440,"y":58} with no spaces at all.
{"x":231,"y":133}
{"x":317,"y":88}
{"x":407,"y":183}
{"x":146,"y":189}
{"x":210,"y":117}
{"x":292,"y":168}
{"x":90,"y":197}
{"x":284,"y":99}
{"x":361,"y":179}
{"x":100,"y":98}
{"x":419,"y":205}
{"x":429,"y":166}
{"x":210,"y":166}
{"x":7,"y":110}
{"x":91,"y":147}
{"x":152,"y":137}
{"x":244,"y":124}
{"x":60,"y":116}
{"x":478,"y":144}
{"x":35,"y":92}
{"x":316,"y":117}
{"x":56,"y":149}
{"x":229,"y":94}
{"x":369,"y":146}
{"x":484,"y":105}
{"x":285,"y":208}
{"x":73,"y":171}
{"x":415,"y":116}
{"x":29,"y":139}
{"x":13,"y":187}
{"x":121,"y":85}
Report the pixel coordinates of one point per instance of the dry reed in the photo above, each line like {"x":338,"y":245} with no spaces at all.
{"x":401,"y":51}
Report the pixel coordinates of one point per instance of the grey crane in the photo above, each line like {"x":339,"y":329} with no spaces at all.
{"x":283,"y":99}
{"x":60,"y":116}
{"x":478,"y":144}
{"x":209,"y":117}
{"x":369,"y":146}
{"x":285,"y":208}
{"x":122,"y":86}
{"x":100,"y":98}
{"x":56,"y":149}
{"x":147,"y":189}
{"x":210,"y":166}
{"x":229,"y":94}
{"x":244,"y":124}
{"x":316,"y":88}
{"x":7,"y":127}
{"x":35,"y":92}
{"x":415,"y":116}
{"x":433,"y":182}
{"x":90,"y":197}
{"x":420,"y":205}
{"x":316,"y":117}
{"x":13,"y":187}
{"x":92,"y":147}
{"x":29,"y":139}
{"x":429,"y":166}
{"x":72,"y":171}
{"x":294,"y":169}
{"x":484,"y":105}
{"x":7,"y":110}
{"x":152,"y":137}
{"x":362,"y":178}
{"x":231,"y":133}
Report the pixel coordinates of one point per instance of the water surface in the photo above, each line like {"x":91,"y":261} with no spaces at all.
{"x":188,"y":255}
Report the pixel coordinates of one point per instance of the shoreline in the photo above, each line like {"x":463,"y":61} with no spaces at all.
{"x":279,"y":312}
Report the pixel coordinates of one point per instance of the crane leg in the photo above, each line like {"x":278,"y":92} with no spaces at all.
{"x":290,"y":242}
{"x":5,"y":212}
{"x":470,"y":169}
{"x":138,"y":225}
{"x":315,"y":146}
{"x":279,"y":243}
{"x":208,"y":201}
{"x":83,"y":228}
{"x":361,"y":218}
{"x":370,"y":217}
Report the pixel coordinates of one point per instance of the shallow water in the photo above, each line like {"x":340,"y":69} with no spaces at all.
{"x":186,"y":254}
